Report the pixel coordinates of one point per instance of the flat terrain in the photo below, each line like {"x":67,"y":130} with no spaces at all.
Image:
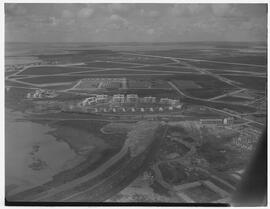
{"x":143,"y":156}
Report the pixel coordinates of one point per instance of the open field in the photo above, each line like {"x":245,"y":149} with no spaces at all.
{"x":171,"y":69}
{"x":234,"y":99}
{"x":143,"y":83}
{"x":187,"y":84}
{"x":16,"y":84}
{"x":250,"y":82}
{"x":98,"y":64}
{"x":206,"y":93}
{"x":215,"y":55}
{"x":51,"y":79}
{"x":9,"y":73}
{"x":126,"y":57}
{"x":227,"y":66}
{"x":219,"y":105}
{"x":47,"y":70}
{"x":126,"y":72}
{"x":202,"y":194}
{"x":77,"y":56}
{"x":201,"y":86}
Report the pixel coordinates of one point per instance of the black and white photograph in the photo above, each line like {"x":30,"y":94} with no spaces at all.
{"x":147,"y":103}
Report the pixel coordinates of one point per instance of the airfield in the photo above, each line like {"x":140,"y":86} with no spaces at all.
{"x":132,"y":153}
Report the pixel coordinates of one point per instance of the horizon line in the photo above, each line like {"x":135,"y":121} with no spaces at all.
{"x":138,"y":42}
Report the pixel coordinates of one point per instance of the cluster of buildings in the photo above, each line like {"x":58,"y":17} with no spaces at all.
{"x":130,"y":109}
{"x":217,"y":121}
{"x":101,"y":98}
{"x":128,"y":99}
{"x":243,"y":143}
{"x":41,"y":93}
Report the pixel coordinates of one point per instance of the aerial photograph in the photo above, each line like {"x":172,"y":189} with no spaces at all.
{"x":140,"y":103}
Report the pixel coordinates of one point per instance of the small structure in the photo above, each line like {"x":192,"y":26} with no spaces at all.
{"x":174,"y":102}
{"x":101,"y":98}
{"x":89,"y":101}
{"x":118,"y":98}
{"x":160,"y":109}
{"x":132,"y":109}
{"x":178,"y":106}
{"x":28,"y":96}
{"x":142,"y":109}
{"x":148,"y":99}
{"x":228,"y":121}
{"x":167,"y":101}
{"x":41,"y":93}
{"x":151,"y":109}
{"x":132,"y":98}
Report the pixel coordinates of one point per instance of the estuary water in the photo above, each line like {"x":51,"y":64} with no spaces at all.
{"x":31,"y":155}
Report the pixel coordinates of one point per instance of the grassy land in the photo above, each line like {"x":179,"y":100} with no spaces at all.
{"x":47,"y":70}
{"x":220,"y":152}
{"x":250,"y":82}
{"x":14,"y":83}
{"x":235,"y":107}
{"x":109,"y":65}
{"x":233,"y":99}
{"x":202,"y":194}
{"x":167,"y":68}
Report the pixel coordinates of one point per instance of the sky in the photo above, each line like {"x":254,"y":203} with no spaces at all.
{"x":135,"y":22}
